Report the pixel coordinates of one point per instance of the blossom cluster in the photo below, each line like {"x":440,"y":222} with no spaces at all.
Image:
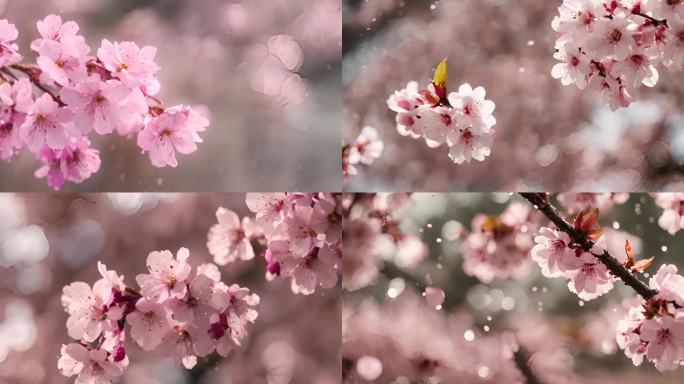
{"x":364,"y":150}
{"x":182,"y":312}
{"x":558,"y":256}
{"x":614,"y":47}
{"x":672,"y":218}
{"x":498,"y":247}
{"x":463,"y":120}
{"x":77,"y":93}
{"x":654,"y":328}
{"x":301,"y":234}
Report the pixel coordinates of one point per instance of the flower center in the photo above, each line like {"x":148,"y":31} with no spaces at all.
{"x":615,"y":36}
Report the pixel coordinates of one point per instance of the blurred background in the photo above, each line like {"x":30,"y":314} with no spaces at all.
{"x":48,"y":241}
{"x":266,"y":134}
{"x":576,"y":338}
{"x":548,"y":136}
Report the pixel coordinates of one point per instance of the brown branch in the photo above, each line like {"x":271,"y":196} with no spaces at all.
{"x":541,"y":202}
{"x":33,"y":74}
{"x":651,"y":18}
{"x":521,"y":358}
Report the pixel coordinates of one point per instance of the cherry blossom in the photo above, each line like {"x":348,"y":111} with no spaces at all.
{"x":301,"y":234}
{"x":149,"y":323}
{"x":8,"y":49}
{"x":167,"y":275}
{"x":76,"y":162}
{"x":616,"y":47}
{"x":68,"y":94}
{"x":672,"y":218}
{"x":463,"y":120}
{"x":45,"y":124}
{"x":364,"y":150}
{"x":180,"y":311}
{"x":498,"y":247}
{"x":230,"y":239}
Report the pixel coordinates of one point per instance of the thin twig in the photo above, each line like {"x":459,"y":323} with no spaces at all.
{"x":651,"y":18}
{"x":30,"y":72}
{"x":541,"y":202}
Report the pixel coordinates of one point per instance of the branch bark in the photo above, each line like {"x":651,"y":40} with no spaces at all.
{"x":522,"y":358}
{"x":541,"y":202}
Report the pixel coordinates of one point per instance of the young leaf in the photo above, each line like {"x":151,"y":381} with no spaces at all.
{"x":586,"y":222}
{"x":629,"y":263}
{"x":440,"y":76}
{"x":642,"y":264}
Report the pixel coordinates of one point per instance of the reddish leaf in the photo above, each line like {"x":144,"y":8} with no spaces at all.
{"x":586,"y":222}
{"x":642,"y":264}
{"x":629,"y":263}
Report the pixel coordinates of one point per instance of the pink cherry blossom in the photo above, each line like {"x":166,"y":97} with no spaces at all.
{"x":665,"y":338}
{"x":228,"y":328}
{"x":97,"y":104}
{"x":205,"y":315}
{"x":134,"y":66}
{"x":52,"y":28}
{"x":463,"y":120}
{"x":149,"y":323}
{"x":8,"y":49}
{"x":269,"y":207}
{"x":45,"y":124}
{"x":63,"y":62}
{"x":672,"y":218}
{"x":174,"y":130}
{"x":477,"y":111}
{"x":15,"y":101}
{"x":91,"y":366}
{"x":591,"y":279}
{"x":230,"y":239}
{"x":669,"y":284}
{"x":89,"y":315}
{"x":185,"y":342}
{"x":366,"y":148}
{"x":574,"y":66}
{"x":76,"y":162}
{"x":317,"y":267}
{"x":300,"y":229}
{"x":167,"y":275}
{"x":77,"y":93}
{"x":552,"y":252}
{"x":196,"y":306}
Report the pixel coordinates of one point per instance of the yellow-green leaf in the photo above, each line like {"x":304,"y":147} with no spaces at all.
{"x":440,"y":77}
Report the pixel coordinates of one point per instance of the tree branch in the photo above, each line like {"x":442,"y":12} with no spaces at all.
{"x":651,"y":18}
{"x":521,"y":358}
{"x":541,"y":202}
{"x":33,"y":74}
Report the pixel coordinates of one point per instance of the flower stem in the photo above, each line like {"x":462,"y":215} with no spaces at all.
{"x":541,"y":202}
